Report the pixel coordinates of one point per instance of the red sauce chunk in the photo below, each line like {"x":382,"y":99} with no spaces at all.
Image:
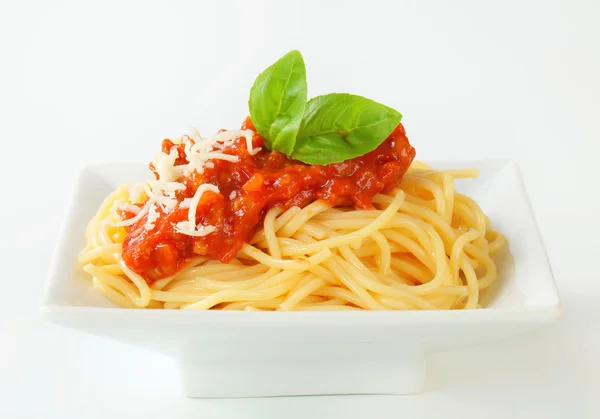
{"x":248,"y":189}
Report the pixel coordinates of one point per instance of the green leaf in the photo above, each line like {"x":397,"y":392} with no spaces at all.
{"x":277,"y":101}
{"x":341,"y":126}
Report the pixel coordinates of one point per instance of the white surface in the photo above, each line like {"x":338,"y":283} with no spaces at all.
{"x":473,"y":79}
{"x":241,"y":354}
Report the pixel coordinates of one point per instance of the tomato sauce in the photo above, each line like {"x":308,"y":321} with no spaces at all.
{"x":248,"y":189}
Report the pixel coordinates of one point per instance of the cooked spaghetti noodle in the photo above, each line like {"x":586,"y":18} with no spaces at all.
{"x":422,"y":246}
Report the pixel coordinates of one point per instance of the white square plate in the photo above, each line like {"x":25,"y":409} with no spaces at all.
{"x":245,"y":354}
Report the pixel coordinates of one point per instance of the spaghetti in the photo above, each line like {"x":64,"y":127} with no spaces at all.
{"x":417,"y":244}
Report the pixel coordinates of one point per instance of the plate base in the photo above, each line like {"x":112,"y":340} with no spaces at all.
{"x":217,"y":370}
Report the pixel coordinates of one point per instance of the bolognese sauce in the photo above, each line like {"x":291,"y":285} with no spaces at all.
{"x":250,"y":187}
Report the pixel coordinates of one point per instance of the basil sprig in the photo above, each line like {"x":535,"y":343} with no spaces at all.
{"x":328,"y":129}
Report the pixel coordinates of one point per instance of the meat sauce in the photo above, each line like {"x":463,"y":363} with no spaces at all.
{"x":248,"y":189}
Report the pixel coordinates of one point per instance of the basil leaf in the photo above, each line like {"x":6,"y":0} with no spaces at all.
{"x":341,"y":126}
{"x":277,"y":101}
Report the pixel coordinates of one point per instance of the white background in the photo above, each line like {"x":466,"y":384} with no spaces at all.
{"x":107,"y":81}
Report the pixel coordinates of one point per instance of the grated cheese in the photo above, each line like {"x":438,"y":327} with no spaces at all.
{"x":133,"y":220}
{"x":189,"y":227}
{"x":160,"y":194}
{"x":248,"y":134}
{"x":164,"y":164}
{"x":123,"y":206}
{"x":185,"y":203}
{"x":152,"y":217}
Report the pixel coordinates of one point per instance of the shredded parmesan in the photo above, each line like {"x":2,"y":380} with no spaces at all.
{"x":160,"y":195}
{"x":248,"y":134}
{"x":152,"y":217}
{"x":217,"y":156}
{"x":164,"y":164}
{"x":185,"y":203}
{"x":135,"y":193}
{"x":133,"y":220}
{"x":200,"y":231}
{"x":189,"y":227}
{"x":168,"y":204}
{"x":123,"y":206}
{"x":195,"y":133}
